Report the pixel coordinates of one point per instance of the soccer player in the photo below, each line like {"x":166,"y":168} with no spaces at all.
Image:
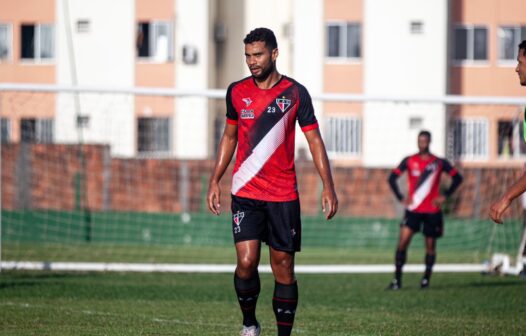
{"x":262,"y":110}
{"x":423,"y":204}
{"x":498,"y":208}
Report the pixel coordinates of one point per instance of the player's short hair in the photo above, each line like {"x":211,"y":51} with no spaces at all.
{"x":522,"y":46}
{"x":426,"y":134}
{"x":262,"y":35}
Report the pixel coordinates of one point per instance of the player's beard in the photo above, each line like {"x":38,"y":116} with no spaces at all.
{"x":265,"y":72}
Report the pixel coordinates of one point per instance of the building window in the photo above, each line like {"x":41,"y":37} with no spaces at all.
{"x":471,"y":43}
{"x":155,"y":41}
{"x":471,"y":139}
{"x":37,"y":41}
{"x":5,"y":42}
{"x":36,"y":130}
{"x":153,"y":134}
{"x":5,"y":130}
{"x":510,"y":143}
{"x":344,"y":40}
{"x":343,"y":135}
{"x":509,"y":39}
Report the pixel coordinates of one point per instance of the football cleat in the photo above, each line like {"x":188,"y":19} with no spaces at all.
{"x":424,"y":283}
{"x":394,"y":285}
{"x":251,"y":331}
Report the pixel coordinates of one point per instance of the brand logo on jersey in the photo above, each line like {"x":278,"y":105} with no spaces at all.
{"x":247,"y":101}
{"x":247,"y":114}
{"x":283,"y":103}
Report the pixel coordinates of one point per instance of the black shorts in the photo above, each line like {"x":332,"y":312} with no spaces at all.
{"x":433,"y":223}
{"x":276,"y":223}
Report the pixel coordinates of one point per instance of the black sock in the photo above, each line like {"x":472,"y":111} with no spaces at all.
{"x":284,"y":303}
{"x":247,"y":294}
{"x":430,"y":261}
{"x":400,"y":259}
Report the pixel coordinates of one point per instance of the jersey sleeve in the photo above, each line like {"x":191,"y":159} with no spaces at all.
{"x":231,"y":113}
{"x":306,"y":117}
{"x":448,"y":168}
{"x":402,"y":167}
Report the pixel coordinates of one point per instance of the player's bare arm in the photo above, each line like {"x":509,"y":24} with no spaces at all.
{"x":498,"y":208}
{"x":226,"y":149}
{"x":329,"y":200}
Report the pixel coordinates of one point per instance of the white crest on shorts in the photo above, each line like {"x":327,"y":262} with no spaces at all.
{"x":238,"y":217}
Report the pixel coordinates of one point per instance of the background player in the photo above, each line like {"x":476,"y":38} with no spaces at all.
{"x":423,"y":204}
{"x":261,"y":119}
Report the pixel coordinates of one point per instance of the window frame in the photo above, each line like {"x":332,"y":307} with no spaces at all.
{"x":155,"y":151}
{"x":152,"y":40}
{"x":516,"y":137}
{"x":41,"y":134}
{"x":351,"y":150}
{"x":37,"y":58}
{"x":342,"y":52}
{"x":9,"y":42}
{"x":472,"y":155}
{"x":470,"y":57}
{"x":8,"y":128}
{"x":511,"y":62}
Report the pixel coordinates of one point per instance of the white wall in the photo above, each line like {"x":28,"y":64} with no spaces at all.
{"x":307,"y":56}
{"x":277,"y":16}
{"x":397,"y":62}
{"x":191,"y":138}
{"x":104,"y":56}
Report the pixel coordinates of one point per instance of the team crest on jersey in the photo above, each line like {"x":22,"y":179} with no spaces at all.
{"x":247,"y":101}
{"x":283,"y":104}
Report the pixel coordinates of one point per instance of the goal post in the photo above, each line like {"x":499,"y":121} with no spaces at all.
{"x":122,"y":179}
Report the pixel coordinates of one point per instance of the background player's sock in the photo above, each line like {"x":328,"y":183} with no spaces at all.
{"x":400,"y":259}
{"x":247,"y":295}
{"x":284,"y":303}
{"x":430,"y":261}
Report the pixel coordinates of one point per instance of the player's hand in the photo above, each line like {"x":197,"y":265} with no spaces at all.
{"x":498,"y":208}
{"x":407,"y":201}
{"x":213,"y":197}
{"x":439,"y":201}
{"x":329,"y":202}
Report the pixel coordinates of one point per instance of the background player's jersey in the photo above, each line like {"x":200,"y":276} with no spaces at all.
{"x":266,"y":121}
{"x":423,"y":177}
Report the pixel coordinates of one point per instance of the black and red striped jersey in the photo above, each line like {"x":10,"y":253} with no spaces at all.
{"x":423,"y":177}
{"x":266,"y":120}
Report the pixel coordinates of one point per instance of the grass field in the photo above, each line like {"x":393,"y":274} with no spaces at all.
{"x":42,"y":303}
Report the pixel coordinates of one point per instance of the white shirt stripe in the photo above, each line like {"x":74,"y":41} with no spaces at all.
{"x":260,"y":155}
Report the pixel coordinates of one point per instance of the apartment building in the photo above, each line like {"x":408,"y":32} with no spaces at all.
{"x":378,"y":48}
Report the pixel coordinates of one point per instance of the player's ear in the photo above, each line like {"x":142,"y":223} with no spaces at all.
{"x":275,"y":53}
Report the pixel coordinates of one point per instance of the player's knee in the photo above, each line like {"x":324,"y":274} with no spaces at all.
{"x":246,"y":266}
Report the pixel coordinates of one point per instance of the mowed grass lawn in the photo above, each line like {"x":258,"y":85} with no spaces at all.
{"x":44,"y":303}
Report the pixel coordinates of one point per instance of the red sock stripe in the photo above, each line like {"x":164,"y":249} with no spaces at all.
{"x":284,"y":300}
{"x":249,"y":291}
{"x":285,"y":324}
{"x":248,"y":308}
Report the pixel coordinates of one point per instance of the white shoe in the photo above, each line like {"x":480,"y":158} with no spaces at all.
{"x":251,"y":331}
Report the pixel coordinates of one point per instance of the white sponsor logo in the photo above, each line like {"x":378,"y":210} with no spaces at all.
{"x":247,"y":101}
{"x":247,"y":114}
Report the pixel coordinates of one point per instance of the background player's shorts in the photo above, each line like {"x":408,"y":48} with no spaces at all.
{"x":276,"y":223}
{"x":433,"y":223}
